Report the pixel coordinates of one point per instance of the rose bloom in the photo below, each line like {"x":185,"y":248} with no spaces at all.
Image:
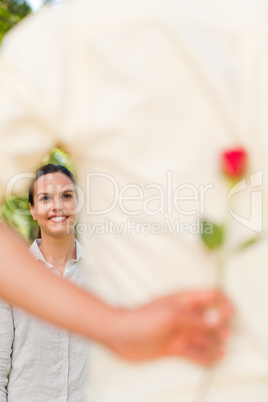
{"x":234,"y":162}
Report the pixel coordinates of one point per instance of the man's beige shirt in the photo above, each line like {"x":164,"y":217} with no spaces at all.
{"x":146,"y":95}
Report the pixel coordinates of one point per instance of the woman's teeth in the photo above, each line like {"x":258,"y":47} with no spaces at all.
{"x":58,"y":218}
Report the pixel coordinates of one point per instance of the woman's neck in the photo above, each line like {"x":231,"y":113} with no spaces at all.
{"x":58,"y":250}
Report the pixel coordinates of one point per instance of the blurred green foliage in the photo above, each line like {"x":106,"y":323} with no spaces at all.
{"x":12,"y":12}
{"x":15,"y":210}
{"x":58,"y":157}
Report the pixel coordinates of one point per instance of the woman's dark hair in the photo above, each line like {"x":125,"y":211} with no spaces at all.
{"x":50,"y":168}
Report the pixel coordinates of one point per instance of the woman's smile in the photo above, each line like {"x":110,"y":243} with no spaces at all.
{"x":58,"y":218}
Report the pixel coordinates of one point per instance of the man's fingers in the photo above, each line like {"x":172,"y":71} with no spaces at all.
{"x":199,"y":300}
{"x":195,"y":298}
{"x":200,"y":349}
{"x":208,"y":308}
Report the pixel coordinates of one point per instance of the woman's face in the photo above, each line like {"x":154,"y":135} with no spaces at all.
{"x":54,"y":204}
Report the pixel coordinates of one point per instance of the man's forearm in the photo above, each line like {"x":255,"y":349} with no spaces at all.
{"x":25,"y":283}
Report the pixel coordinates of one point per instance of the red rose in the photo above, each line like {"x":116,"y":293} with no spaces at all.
{"x":234,"y":162}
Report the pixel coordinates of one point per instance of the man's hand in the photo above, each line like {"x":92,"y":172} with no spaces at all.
{"x":193,"y":325}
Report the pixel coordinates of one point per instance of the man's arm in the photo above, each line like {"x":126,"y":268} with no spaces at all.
{"x":6,"y":343}
{"x":173,"y":325}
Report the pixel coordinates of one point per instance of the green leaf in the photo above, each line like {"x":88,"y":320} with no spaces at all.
{"x":212,"y":234}
{"x":248,"y":243}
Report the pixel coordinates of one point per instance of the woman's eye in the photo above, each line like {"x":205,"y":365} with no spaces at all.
{"x":45,"y":198}
{"x":67,"y":195}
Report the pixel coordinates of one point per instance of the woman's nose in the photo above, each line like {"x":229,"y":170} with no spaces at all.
{"x":57,"y":203}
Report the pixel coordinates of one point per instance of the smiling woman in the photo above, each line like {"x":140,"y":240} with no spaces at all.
{"x":34,"y":349}
{"x":52,"y":200}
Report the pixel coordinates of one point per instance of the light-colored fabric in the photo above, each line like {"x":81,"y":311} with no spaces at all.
{"x":150,"y":92}
{"x":47,"y":363}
